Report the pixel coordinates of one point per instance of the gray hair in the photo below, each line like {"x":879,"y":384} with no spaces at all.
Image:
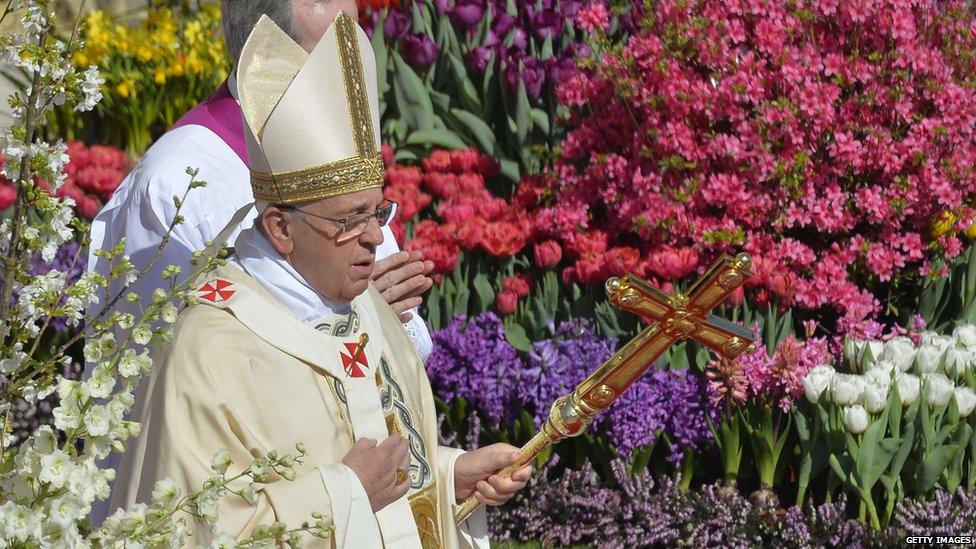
{"x":240,"y":16}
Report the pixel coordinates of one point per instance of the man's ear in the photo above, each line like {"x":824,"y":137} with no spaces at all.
{"x":278,"y":228}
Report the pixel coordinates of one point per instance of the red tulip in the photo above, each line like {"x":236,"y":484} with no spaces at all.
{"x":548,"y":253}
{"x":506,"y":302}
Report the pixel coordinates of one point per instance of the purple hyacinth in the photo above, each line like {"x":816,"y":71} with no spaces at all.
{"x":472,"y":360}
{"x":558,"y":364}
{"x":674,"y":403}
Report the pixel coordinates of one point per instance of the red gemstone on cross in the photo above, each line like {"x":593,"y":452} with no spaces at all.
{"x":355,"y":362}
{"x":216,"y":290}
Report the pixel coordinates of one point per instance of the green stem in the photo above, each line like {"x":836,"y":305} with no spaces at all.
{"x":687,"y":469}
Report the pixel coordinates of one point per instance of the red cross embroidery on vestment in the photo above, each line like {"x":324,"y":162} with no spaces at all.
{"x":351,"y":362}
{"x":216,"y":290}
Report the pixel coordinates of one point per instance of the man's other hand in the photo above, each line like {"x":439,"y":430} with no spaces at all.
{"x":401,"y":279}
{"x":377,"y":466}
{"x":476,"y":473}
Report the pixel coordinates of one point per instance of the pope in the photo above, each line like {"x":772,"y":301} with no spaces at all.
{"x":291,"y":342}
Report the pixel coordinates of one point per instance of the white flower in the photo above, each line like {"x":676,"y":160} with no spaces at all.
{"x":869,"y":351}
{"x":908,"y":388}
{"x":855,"y":419}
{"x":67,"y":416}
{"x":965,"y":335}
{"x":223,"y":541}
{"x":816,"y":381}
{"x":45,"y":441}
{"x":965,"y":400}
{"x":879,"y":376}
{"x":142,"y":334}
{"x":207,"y":507}
{"x":938,"y":340}
{"x":900,"y":351}
{"x":874,"y":398}
{"x":20,"y":522}
{"x":846,"y":388}
{"x":134,"y":518}
{"x":220,"y":462}
{"x":169,"y":313}
{"x":249,"y":494}
{"x":928,"y":358}
{"x":66,"y":510}
{"x":101,"y":382}
{"x":938,"y":389}
{"x":166,"y":493}
{"x":97,"y":420}
{"x":958,"y":360}
{"x":91,"y":87}
{"x":128,"y":364}
{"x":55,"y":468}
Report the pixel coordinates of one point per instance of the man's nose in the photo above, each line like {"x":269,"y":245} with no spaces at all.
{"x":373,"y":233}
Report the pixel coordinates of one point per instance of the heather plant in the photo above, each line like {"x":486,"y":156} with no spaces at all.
{"x":831,"y":141}
{"x":50,"y":480}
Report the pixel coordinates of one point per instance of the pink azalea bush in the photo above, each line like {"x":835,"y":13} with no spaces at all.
{"x":833,"y":141}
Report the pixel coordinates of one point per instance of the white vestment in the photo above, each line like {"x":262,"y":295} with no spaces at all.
{"x":243,"y":373}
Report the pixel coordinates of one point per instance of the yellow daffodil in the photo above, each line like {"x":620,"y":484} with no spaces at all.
{"x":971,"y":232}
{"x":942,"y":224}
{"x":124,"y":89}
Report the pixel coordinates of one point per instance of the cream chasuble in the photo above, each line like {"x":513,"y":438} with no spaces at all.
{"x":243,"y":374}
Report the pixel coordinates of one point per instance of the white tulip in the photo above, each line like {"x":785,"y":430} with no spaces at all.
{"x":874,"y":397}
{"x":928,"y":358}
{"x":958,"y":360}
{"x":938,"y":389}
{"x":965,"y":335}
{"x":908,"y":388}
{"x":965,"y":400}
{"x":900,"y":351}
{"x":879,"y":376}
{"x":855,"y":419}
{"x":846,"y":388}
{"x":869,"y":351}
{"x":816,"y":381}
{"x":941,"y":341}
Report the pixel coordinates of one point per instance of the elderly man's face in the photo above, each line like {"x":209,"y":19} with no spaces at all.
{"x":337,"y":266}
{"x":311,"y":18}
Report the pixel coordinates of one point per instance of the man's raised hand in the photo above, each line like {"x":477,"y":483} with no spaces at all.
{"x":401,"y":279}
{"x":377,"y":466}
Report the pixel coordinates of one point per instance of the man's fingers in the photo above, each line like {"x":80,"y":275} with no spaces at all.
{"x":405,"y":317}
{"x":400,"y":455}
{"x":364,"y":444}
{"x":415,"y":285}
{"x":487,"y":490}
{"x":385,"y":265}
{"x":523,"y":475}
{"x":401,"y":307}
{"x":391,"y":444}
{"x":505,"y":487}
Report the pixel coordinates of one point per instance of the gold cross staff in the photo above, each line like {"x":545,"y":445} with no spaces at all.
{"x":674,"y":318}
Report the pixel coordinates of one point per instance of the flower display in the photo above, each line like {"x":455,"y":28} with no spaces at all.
{"x":769,"y":129}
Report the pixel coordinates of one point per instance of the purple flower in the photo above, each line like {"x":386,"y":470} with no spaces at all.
{"x":532,"y":72}
{"x":397,"y":25}
{"x":546,"y":23}
{"x":467,"y":13}
{"x":478,"y":58}
{"x":673,"y":403}
{"x":503,"y":24}
{"x":557,"y":365}
{"x":472,"y":360}
{"x":419,"y":50}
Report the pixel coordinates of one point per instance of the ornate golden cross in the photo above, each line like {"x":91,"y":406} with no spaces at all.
{"x":674,"y":318}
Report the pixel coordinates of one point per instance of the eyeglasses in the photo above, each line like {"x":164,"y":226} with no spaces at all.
{"x":354,"y":225}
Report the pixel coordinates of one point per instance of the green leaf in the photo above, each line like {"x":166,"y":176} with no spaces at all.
{"x":436,"y":138}
{"x":412,"y":98}
{"x":382,"y":59}
{"x":515,"y":335}
{"x":523,"y":120}
{"x":485,"y":293}
{"x":540,"y":119}
{"x":467,"y":92}
{"x":479,"y":130}
{"x":510,"y":169}
{"x":931,"y":469}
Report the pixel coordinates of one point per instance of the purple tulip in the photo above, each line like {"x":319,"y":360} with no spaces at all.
{"x":370,"y":23}
{"x":503,"y":24}
{"x":532,"y":73}
{"x":467,"y":13}
{"x":479,"y":58}
{"x":397,"y":25}
{"x":546,"y":23}
{"x":442,"y":5}
{"x":419,"y":50}
{"x":558,"y":68}
{"x":569,"y":8}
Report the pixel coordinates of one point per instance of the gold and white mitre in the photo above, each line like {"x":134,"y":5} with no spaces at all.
{"x":304,"y":142}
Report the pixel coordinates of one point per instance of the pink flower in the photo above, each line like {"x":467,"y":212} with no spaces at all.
{"x":7,"y":196}
{"x":593,"y":17}
{"x":547,"y":254}
{"x":506,"y":302}
{"x":673,"y":264}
